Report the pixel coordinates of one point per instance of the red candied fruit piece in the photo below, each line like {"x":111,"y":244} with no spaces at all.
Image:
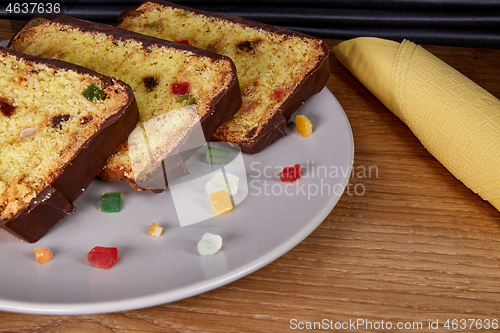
{"x":277,"y":94}
{"x":6,"y":107}
{"x":180,"y":88}
{"x":291,"y":173}
{"x":103,"y":257}
{"x":183,"y":41}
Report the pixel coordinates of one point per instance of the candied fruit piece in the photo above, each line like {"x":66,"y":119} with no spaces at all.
{"x":181,"y":88}
{"x":221,"y":202}
{"x":93,"y":93}
{"x":150,"y":82}
{"x":186,"y":97}
{"x":183,"y":41}
{"x":217,"y":156}
{"x":247,"y":45}
{"x":290,"y":173}
{"x":6,"y":107}
{"x":103,"y":257}
{"x":58,"y":120}
{"x":155,"y":230}
{"x":155,"y":24}
{"x":303,"y":125}
{"x":277,"y":94}
{"x":209,"y":244}
{"x":86,"y":119}
{"x":42,"y":255}
{"x":111,"y":202}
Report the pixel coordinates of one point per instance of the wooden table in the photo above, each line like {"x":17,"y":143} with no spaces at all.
{"x":412,"y":248}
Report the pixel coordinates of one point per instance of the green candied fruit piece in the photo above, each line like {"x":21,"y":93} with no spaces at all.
{"x":182,"y":98}
{"x":183,"y":13}
{"x":93,"y":93}
{"x":217,"y":156}
{"x":186,"y":97}
{"x":111,"y":202}
{"x":155,"y":24}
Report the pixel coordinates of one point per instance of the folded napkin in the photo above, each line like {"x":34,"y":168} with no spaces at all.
{"x":457,"y":121}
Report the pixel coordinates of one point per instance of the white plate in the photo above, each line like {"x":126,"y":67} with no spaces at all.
{"x":272,"y":219}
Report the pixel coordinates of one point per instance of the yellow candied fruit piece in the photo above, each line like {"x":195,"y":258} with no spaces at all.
{"x":43,"y":255}
{"x":303,"y":125}
{"x":221,"y":202}
{"x":155,"y":230}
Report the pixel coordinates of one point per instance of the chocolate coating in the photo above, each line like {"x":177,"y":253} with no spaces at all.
{"x":43,"y":212}
{"x":56,"y":201}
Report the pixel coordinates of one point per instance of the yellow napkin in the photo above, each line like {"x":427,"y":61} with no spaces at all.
{"x":457,"y":121}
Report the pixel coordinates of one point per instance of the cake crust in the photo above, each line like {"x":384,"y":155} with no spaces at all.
{"x":70,"y":179}
{"x":271,"y":125}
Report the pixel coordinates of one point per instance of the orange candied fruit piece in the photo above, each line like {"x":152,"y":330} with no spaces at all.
{"x":155,"y":230}
{"x":221,"y":202}
{"x":303,"y":125}
{"x":43,"y":255}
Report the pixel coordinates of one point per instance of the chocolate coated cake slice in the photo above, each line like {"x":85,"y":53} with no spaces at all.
{"x":59,"y":124}
{"x":278,"y":69}
{"x":167,"y":78}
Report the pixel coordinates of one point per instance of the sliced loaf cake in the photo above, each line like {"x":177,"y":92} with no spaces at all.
{"x":165,"y":77}
{"x":278,"y":69}
{"x":59,"y":124}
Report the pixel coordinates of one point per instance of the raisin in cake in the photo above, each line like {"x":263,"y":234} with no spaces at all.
{"x":278,"y":69}
{"x":165,"y":77}
{"x":59,"y":123}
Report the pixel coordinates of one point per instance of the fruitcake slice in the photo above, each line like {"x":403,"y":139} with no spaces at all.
{"x":165,"y":77}
{"x":278,"y":69}
{"x":59,"y":124}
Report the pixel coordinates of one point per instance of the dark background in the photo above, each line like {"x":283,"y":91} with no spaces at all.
{"x":473,"y":23}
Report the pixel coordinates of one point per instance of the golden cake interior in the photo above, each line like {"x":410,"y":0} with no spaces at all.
{"x":269,"y":65}
{"x":151,"y":71}
{"x":44,"y":120}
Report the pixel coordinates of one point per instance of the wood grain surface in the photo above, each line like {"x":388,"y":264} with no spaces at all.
{"x":408,"y":247}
